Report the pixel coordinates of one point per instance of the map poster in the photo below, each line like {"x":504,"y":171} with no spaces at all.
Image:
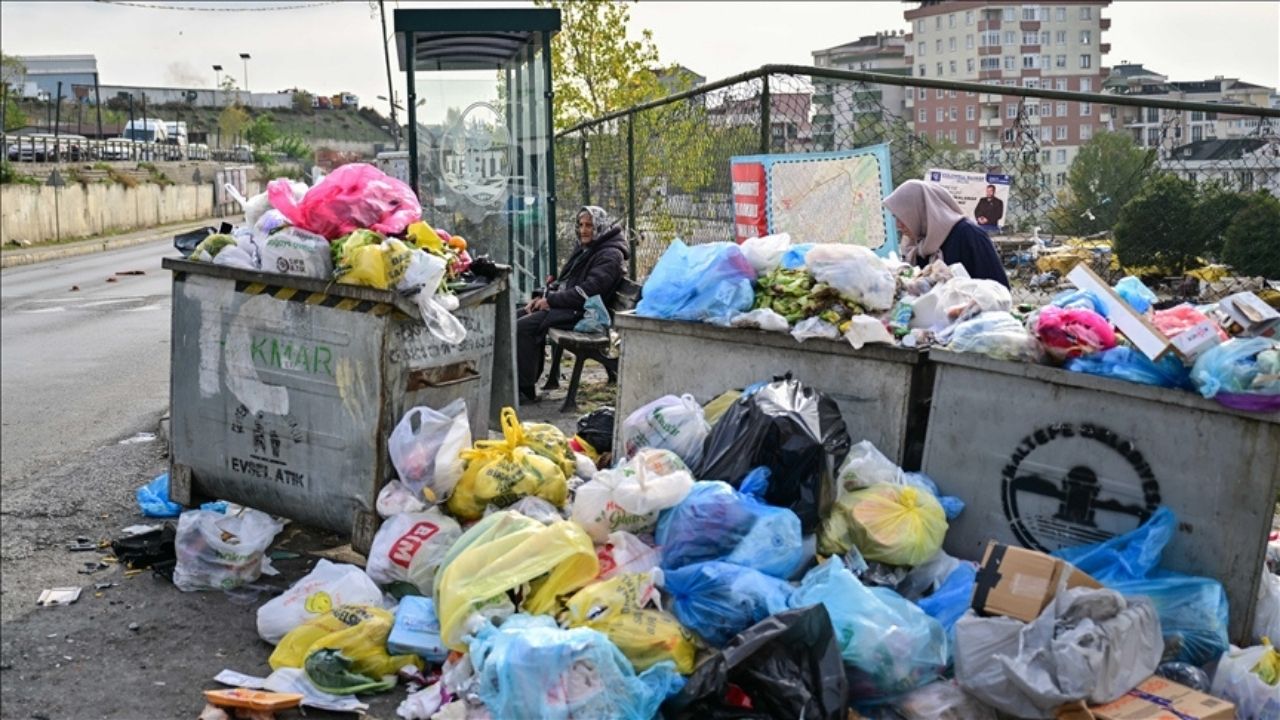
{"x":984,"y":197}
{"x":834,"y":197}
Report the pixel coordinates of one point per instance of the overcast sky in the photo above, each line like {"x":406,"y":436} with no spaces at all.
{"x":333,"y":48}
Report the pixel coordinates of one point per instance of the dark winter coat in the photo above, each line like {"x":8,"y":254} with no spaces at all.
{"x":593,"y":269}
{"x":970,"y":246}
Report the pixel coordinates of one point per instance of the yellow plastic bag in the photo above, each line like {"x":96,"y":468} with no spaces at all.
{"x":1268,"y":668}
{"x":544,"y":439}
{"x":530,"y":460}
{"x":506,"y":554}
{"x":422,"y":235}
{"x":718,"y":405}
{"x":377,"y":266}
{"x":893,"y":524}
{"x":618,"y":608}
{"x":359,"y":632}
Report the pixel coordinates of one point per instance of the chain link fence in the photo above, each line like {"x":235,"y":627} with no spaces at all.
{"x":1072,"y":161}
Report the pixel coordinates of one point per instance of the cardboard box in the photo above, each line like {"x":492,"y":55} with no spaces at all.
{"x":1132,"y":324}
{"x":1160,"y":699}
{"x":1193,"y":341}
{"x":1249,"y":315}
{"x":1019,"y":583}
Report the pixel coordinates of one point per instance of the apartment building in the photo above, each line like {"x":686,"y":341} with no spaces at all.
{"x":841,"y":107}
{"x":1056,"y":46}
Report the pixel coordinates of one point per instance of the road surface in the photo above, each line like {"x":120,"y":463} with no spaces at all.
{"x":80,"y":368}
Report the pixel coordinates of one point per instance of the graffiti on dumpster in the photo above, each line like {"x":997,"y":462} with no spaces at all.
{"x":284,"y":354}
{"x":264,"y":460}
{"x":1067,"y":484}
{"x":415,"y":346}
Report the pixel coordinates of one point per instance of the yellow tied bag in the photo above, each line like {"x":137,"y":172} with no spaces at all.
{"x":359,"y":632}
{"x":618,"y":608}
{"x":888,"y":523}
{"x":500,"y":472}
{"x":378,"y":266}
{"x":425,"y":237}
{"x":544,"y":439}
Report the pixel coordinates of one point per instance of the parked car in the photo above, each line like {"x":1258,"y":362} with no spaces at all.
{"x":45,"y":147}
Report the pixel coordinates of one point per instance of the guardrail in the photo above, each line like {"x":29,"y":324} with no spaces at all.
{"x":50,"y":149}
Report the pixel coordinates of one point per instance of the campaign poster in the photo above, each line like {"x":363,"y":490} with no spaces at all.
{"x":984,"y":197}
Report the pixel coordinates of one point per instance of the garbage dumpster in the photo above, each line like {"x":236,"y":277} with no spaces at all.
{"x":284,"y":389}
{"x":880,"y":389}
{"x":1046,"y":458}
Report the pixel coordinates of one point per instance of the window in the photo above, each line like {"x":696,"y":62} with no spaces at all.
{"x":1060,"y":179}
{"x":991,"y":38}
{"x":1045,"y":37}
{"x":1062,"y":14}
{"x":940,"y":134}
{"x":1046,"y":132}
{"x":1086,"y":109}
{"x":1008,"y":135}
{"x":1197,"y":116}
{"x":1046,"y":156}
{"x":968,"y":17}
{"x":1086,"y":37}
{"x":951,"y":134}
{"x":937,"y":23}
{"x":937,"y":46}
{"x":1153,"y":114}
{"x":1008,"y":14}
{"x":951,"y":44}
{"x":955,"y":114}
{"x":1060,"y":37}
{"x":1011,"y":111}
{"x":1030,"y":38}
{"x":1062,"y":109}
{"x":939,"y":93}
{"x":1060,"y":62}
{"x":969,"y":135}
{"x":939,"y":114}
{"x":1086,"y":13}
{"x":1153,"y":137}
{"x":1010,"y":37}
{"x":923,"y":115}
{"x":1031,"y":110}
{"x":968,"y":65}
{"x":1032,"y":83}
{"x":1046,"y":109}
{"x":1008,"y":62}
{"x":922,"y":74}
{"x":1086,"y":132}
{"x":952,"y":93}
{"x":970,"y":112}
{"x":911,"y":93}
{"x":951,"y":20}
{"x":969,"y":94}
{"x":920,"y":26}
{"x":1030,"y":62}
{"x":1060,"y":156}
{"x":951,"y":65}
{"x":1061,"y":135}
{"x":1197,"y":133}
{"x":1046,"y":62}
{"x":968,"y":42}
{"x":1030,"y":13}
{"x":939,"y":69}
{"x":990,"y":63}
{"x":1086,"y":61}
{"x":1086,"y":84}
{"x":1210,"y":132}
{"x":920,"y":50}
{"x":1062,"y":82}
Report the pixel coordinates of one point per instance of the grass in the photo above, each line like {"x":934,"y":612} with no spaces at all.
{"x":124,"y":179}
{"x":10,"y":176}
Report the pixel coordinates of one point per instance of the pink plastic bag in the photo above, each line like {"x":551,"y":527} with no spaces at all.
{"x":1179,"y":319}
{"x":349,"y":198}
{"x":1071,"y":332}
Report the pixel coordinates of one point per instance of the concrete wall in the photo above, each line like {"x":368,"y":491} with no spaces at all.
{"x":38,"y":213}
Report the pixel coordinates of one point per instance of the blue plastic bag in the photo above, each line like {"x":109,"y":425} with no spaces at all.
{"x":711,"y":282}
{"x":1139,"y":296}
{"x":595,"y":316}
{"x":1235,"y":367}
{"x":716,"y":522}
{"x":530,"y":668}
{"x":1081,"y":299}
{"x":1124,"y":363}
{"x":1193,"y":610}
{"x":889,"y":645}
{"x":952,"y":598}
{"x":952,"y":506}
{"x":718,"y":600}
{"x":153,"y":499}
{"x":793,"y":258}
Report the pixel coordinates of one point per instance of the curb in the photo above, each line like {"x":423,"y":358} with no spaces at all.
{"x":17,"y":259}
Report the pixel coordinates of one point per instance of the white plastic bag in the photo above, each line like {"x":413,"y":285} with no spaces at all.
{"x":294,"y":251}
{"x":531,"y":506}
{"x":235,"y":257}
{"x":1266,"y":617}
{"x":222,"y":552}
{"x":423,"y":276}
{"x":425,"y":447}
{"x":394,"y":498}
{"x":626,"y":553}
{"x":814,"y":328}
{"x":855,"y":272}
{"x":864,"y":329}
{"x":762,"y":318}
{"x":630,"y":496}
{"x":1235,"y":681}
{"x":942,"y":700}
{"x":410,"y":546}
{"x":765,"y":253}
{"x":958,"y":299}
{"x":326,"y":587}
{"x":671,"y":423}
{"x":865,"y":466}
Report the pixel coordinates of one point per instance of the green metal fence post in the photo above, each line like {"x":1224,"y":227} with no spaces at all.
{"x":631,"y":190}
{"x":586,"y":176}
{"x":765,"y":134}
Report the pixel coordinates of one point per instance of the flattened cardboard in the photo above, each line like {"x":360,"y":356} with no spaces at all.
{"x":1253,"y":316}
{"x":1134,"y":325}
{"x":1019,"y":583}
{"x":1159,"y":699}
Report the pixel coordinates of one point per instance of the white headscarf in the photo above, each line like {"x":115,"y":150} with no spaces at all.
{"x":929,"y":212}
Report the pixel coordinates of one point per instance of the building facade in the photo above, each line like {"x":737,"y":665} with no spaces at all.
{"x":841,"y":108}
{"x":1056,"y":46}
{"x":44,"y":72}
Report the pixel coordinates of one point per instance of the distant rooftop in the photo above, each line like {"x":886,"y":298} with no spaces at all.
{"x":1229,"y":149}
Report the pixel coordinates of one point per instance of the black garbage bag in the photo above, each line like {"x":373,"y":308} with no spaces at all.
{"x":785,"y":666}
{"x":186,"y":242}
{"x":793,"y":430}
{"x":148,"y":549}
{"x":596,"y":427}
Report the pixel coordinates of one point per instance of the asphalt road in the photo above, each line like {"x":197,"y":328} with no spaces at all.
{"x":83,"y":367}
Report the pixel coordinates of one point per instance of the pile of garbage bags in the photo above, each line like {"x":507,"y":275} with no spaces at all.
{"x":356,"y":226}
{"x":739,"y":559}
{"x":1226,"y":350}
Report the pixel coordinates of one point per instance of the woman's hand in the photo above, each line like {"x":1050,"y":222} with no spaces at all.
{"x":536,"y":304}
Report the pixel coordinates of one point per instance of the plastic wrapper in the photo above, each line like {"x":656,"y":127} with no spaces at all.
{"x":865,"y":330}
{"x":294,"y":251}
{"x":794,"y":257}
{"x":417,"y":630}
{"x":785,"y":666}
{"x":670,"y":423}
{"x":718,"y":600}
{"x":356,"y":195}
{"x":222,"y":552}
{"x":710,"y":282}
{"x":1266,"y":615}
{"x":1185,"y":674}
{"x":425,"y":449}
{"x":424,"y":279}
{"x":621,"y":608}
{"x":855,"y":272}
{"x":1178,"y":319}
{"x":957,"y":300}
{"x":716,"y":522}
{"x":813,"y":327}
{"x":377,"y":265}
{"x":630,"y":496}
{"x":1236,"y":681}
{"x":394,"y":498}
{"x":761,"y":319}
{"x":1081,"y":300}
{"x":624,"y":553}
{"x":1089,"y":645}
{"x":408,"y":548}
{"x":356,"y":634}
{"x":507,"y":551}
{"x":1071,"y":333}
{"x":995,"y":334}
{"x":893,"y":524}
{"x":1241,"y":366}
{"x":327,"y":586}
{"x":529,"y":668}
{"x":1133,"y":291}
{"x":1125,"y":363}
{"x":153,"y":499}
{"x":765,"y":253}
{"x":943,"y":700}
{"x":793,"y":430}
{"x":889,"y":645}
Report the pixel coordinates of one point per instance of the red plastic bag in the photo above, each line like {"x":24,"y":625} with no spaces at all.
{"x":351,"y":197}
{"x":1072,"y":332}
{"x":1179,"y":319}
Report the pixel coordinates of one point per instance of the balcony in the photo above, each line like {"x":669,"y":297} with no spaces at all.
{"x":1105,"y":48}
{"x":1029,"y":25}
{"x":991,"y":123}
{"x":988,"y":50}
{"x":990,"y":99}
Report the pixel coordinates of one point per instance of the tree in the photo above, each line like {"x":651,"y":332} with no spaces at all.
{"x":1216,"y":205}
{"x":232,"y":121}
{"x":1156,"y":228}
{"x":301,"y":100}
{"x":1107,"y":172}
{"x":262,"y":131}
{"x":1252,"y":240}
{"x":12,"y":75}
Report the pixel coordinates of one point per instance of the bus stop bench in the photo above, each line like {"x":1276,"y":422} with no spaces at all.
{"x":587,"y":346}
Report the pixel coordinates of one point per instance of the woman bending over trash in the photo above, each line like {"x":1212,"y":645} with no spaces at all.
{"x":594,"y":268}
{"x":932,"y":224}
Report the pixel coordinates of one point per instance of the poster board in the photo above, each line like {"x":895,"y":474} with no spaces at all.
{"x":816,"y":197}
{"x":970,"y":188}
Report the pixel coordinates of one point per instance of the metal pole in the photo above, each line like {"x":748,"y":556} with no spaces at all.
{"x":409,"y":53}
{"x":246,"y":76}
{"x":550,"y":153}
{"x":57,"y":122}
{"x":765,"y":131}
{"x":48,"y":117}
{"x":631,"y":189}
{"x":4,"y":107}
{"x":129,"y":128}
{"x":391,"y":91}
{"x":97,"y":103}
{"x":586,"y":174}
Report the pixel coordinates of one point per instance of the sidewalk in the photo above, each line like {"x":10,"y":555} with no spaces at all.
{"x":14,"y":257}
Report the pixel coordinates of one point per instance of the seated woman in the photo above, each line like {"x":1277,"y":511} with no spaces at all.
{"x":933,"y":225}
{"x":595,"y":268}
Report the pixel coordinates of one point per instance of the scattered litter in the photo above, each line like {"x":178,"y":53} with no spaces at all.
{"x":133,"y":626}
{"x":92,"y":567}
{"x":82,"y":544}
{"x":141,"y":437}
{"x":139,"y":529}
{"x":58,"y":596}
{"x":132,"y":272}
{"x":111,"y":279}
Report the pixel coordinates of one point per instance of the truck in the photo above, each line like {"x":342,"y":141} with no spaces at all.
{"x":177,"y":140}
{"x":150,"y":132}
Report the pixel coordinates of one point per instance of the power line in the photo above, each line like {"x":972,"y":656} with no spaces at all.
{"x":233,"y":8}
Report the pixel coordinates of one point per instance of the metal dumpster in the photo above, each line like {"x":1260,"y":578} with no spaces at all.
{"x":284,"y":390}
{"x":1046,"y":458}
{"x":880,"y":389}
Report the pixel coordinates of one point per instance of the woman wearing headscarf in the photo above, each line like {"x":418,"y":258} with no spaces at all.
{"x":594,"y":268}
{"x":933,"y":226}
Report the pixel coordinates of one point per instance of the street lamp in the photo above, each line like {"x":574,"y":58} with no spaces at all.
{"x":217,"y":77}
{"x":245,"y":58}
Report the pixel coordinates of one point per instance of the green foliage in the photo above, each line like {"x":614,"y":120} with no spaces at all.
{"x":232,"y":122}
{"x":12,"y":71}
{"x":1107,"y":172}
{"x":1216,"y":206}
{"x":1157,"y":228}
{"x":301,"y":100}
{"x":293,"y":147}
{"x":262,"y":131}
{"x":10,"y":176}
{"x":1252,"y":239}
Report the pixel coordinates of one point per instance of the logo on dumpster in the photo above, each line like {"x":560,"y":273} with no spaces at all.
{"x":1067,"y":484}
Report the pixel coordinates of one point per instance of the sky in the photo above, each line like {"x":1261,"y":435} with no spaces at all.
{"x":337,"y":47}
